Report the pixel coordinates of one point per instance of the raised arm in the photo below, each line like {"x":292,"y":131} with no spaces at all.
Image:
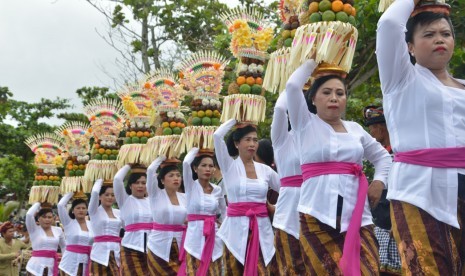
{"x":391,"y":49}
{"x":94,"y":197}
{"x":62,"y":212}
{"x":118,"y":185}
{"x":187,"y":171}
{"x":30,"y":220}
{"x":279,"y":128}
{"x":152,"y":182}
{"x":221,"y":150}
{"x":296,"y":104}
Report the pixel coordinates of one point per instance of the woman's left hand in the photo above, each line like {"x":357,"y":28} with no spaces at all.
{"x":374,"y":193}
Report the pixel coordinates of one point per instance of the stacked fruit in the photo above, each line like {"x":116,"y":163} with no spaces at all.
{"x":205,"y":112}
{"x":47,"y":177}
{"x":76,"y":165}
{"x":172,"y":122}
{"x":250,"y":77}
{"x":105,"y":149}
{"x":288,"y":31}
{"x":325,"y":10}
{"x":137,"y":133}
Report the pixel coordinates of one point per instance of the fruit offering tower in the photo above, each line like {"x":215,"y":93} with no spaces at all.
{"x":327,"y":32}
{"x":250,"y":40}
{"x":438,"y":6}
{"x":202,"y":74}
{"x":140,"y":113}
{"x":275,"y":80}
{"x":48,"y":149}
{"x":107,"y":120}
{"x":77,"y":142}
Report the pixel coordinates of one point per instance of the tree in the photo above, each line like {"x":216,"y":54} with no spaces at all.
{"x":165,"y":31}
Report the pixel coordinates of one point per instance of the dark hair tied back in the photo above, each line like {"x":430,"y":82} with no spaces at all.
{"x":236,"y":136}
{"x":163,"y":172}
{"x":133,"y":177}
{"x":310,"y":94}
{"x":75,"y":203}
{"x":42,"y":212}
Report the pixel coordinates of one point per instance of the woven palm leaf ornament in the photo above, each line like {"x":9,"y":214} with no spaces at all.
{"x":107,"y":120}
{"x":76,"y":136}
{"x":140,"y":114}
{"x":251,"y":38}
{"x":202,"y":74}
{"x":438,"y":6}
{"x":49,"y":150}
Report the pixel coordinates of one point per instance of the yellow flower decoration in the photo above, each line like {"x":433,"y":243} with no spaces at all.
{"x":262,"y":39}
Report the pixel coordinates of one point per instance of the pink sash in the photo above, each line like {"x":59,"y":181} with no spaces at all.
{"x":207,"y":252}
{"x":81,"y":249}
{"x":294,"y":181}
{"x":48,"y":254}
{"x":436,"y":158}
{"x":350,"y":261}
{"x":107,"y":238}
{"x":252,"y":210}
{"x":138,"y":226}
{"x":173,"y":228}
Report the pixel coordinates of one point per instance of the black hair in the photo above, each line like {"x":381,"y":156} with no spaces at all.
{"x":103,"y":189}
{"x":265,"y":152}
{"x":75,"y":203}
{"x":42,"y":212}
{"x":310,"y":94}
{"x":236,"y":136}
{"x":422,"y":19}
{"x":133,"y":177}
{"x":164,"y":171}
{"x":197,"y":160}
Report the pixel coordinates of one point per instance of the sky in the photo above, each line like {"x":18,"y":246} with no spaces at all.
{"x":51,"y":48}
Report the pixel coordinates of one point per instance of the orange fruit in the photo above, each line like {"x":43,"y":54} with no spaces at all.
{"x":165,"y":124}
{"x":146,"y":134}
{"x":260,"y":80}
{"x":128,"y":134}
{"x":313,"y":7}
{"x":240,"y":80}
{"x":173,"y":124}
{"x":182,"y":125}
{"x":140,"y":134}
{"x":96,"y":146}
{"x":44,"y":177}
{"x":179,"y":124}
{"x":348,"y":8}
{"x":101,"y":151}
{"x":132,"y":134}
{"x":337,"y":6}
{"x":250,"y":81}
{"x":69,"y":167}
{"x":353,"y":11}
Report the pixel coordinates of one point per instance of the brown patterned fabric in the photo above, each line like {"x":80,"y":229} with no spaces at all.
{"x":321,"y":247}
{"x":428,"y":246}
{"x":192,"y":264}
{"x":158,"y":266}
{"x":133,"y":262}
{"x":112,"y":269}
{"x":288,"y":255}
{"x":79,"y":271}
{"x":232,"y":267}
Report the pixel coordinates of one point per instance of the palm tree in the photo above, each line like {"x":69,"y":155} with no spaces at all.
{"x":6,"y":209}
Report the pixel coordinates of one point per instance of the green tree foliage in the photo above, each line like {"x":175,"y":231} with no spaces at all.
{"x":6,"y":209}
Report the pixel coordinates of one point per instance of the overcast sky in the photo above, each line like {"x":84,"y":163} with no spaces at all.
{"x":49,"y":49}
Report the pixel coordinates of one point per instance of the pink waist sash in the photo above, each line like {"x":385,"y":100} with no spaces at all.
{"x":294,"y":181}
{"x":252,"y":210}
{"x":139,"y":226}
{"x":350,"y":261}
{"x":207,"y":252}
{"x":48,"y":254}
{"x":436,"y":157}
{"x":107,"y":238}
{"x":81,"y":249}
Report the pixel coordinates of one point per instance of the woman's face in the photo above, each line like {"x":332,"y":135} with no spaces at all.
{"x":139,"y":188}
{"x":172,"y":180}
{"x":248,"y":145}
{"x":330,"y":100}
{"x":107,"y":199}
{"x":433,"y":44}
{"x":46,"y":220}
{"x":80,"y":211}
{"x":9,"y":234}
{"x":205,"y":169}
